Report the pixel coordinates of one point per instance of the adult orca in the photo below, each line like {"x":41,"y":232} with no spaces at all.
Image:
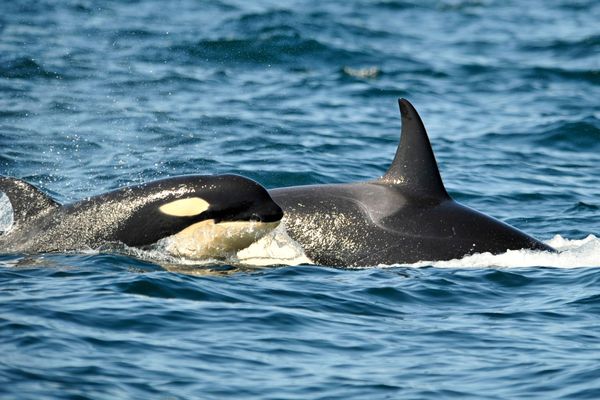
{"x":192,"y":216}
{"x":403,"y":217}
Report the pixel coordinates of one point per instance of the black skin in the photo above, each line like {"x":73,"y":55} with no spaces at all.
{"x":404,"y":217}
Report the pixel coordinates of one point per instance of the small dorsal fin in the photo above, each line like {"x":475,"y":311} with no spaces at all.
{"x":414,"y":165}
{"x":26,"y":200}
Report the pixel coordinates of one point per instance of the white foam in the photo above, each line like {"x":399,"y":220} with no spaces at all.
{"x":276,"y":248}
{"x":572,"y":253}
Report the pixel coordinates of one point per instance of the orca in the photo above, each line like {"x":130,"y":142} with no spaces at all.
{"x":191,"y":216}
{"x":405,"y":216}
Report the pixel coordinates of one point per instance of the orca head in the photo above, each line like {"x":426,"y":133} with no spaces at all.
{"x":235,"y":198}
{"x":227,"y":213}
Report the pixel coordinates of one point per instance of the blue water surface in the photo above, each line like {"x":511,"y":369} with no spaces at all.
{"x":95,"y":95}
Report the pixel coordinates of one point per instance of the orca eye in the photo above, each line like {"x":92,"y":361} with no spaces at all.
{"x":255,"y":218}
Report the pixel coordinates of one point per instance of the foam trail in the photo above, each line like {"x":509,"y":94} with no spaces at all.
{"x":572,"y":254}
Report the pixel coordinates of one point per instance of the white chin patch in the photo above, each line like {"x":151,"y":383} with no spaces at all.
{"x":185,"y":207}
{"x":209,"y":240}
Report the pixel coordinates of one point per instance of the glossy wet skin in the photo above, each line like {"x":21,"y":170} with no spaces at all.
{"x":359,"y":224}
{"x":404,"y":217}
{"x":142,"y":215}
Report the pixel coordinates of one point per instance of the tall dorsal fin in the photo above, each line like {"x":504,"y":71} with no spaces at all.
{"x":414,"y":165}
{"x":26,"y":200}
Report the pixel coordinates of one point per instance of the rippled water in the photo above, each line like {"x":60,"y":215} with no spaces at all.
{"x":96,"y":95}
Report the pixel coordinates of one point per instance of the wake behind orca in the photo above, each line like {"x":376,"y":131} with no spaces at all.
{"x":403,"y":217}
{"x":196,"y":217}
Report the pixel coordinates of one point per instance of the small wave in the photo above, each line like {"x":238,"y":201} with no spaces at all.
{"x":376,"y":92}
{"x":24,"y":68}
{"x":269,"y":48}
{"x":398,"y":5}
{"x":581,"y":47}
{"x":576,"y":136}
{"x":265,"y":21}
{"x":582,"y":207}
{"x":170,"y":80}
{"x":572,"y":253}
{"x":137,"y":33}
{"x":588,"y":75}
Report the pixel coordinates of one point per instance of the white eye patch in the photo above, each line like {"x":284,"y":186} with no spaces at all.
{"x":185,"y":207}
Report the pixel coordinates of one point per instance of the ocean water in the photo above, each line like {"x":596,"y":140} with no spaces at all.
{"x":95,"y":95}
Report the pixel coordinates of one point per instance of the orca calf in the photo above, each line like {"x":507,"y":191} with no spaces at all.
{"x":403,"y":217}
{"x":192,"y":216}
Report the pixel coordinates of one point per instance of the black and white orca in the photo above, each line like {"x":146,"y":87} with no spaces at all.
{"x":195,"y":217}
{"x":403,"y":217}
